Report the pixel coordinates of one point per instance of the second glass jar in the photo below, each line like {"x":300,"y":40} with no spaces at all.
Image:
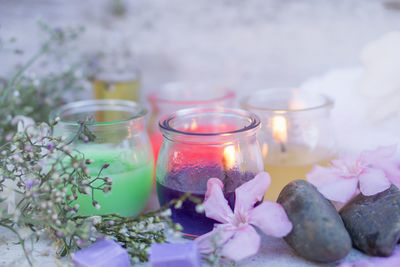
{"x":296,"y":133}
{"x":199,"y":144}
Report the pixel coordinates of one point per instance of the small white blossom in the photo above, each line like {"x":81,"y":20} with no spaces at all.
{"x":25,"y":232}
{"x":22,"y":122}
{"x":170,"y":231}
{"x":96,"y":219}
{"x":177,"y":235}
{"x":178,"y":204}
{"x":199,"y":208}
{"x":66,"y":149}
{"x":166,"y":213}
{"x":87,"y":190}
{"x":8,"y":195}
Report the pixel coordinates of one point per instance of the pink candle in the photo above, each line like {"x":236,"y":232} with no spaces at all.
{"x":200,"y":144}
{"x":182,"y":95}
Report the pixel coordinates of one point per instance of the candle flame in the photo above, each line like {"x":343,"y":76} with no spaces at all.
{"x":193,"y":126}
{"x":279,"y":128}
{"x":229,"y":157}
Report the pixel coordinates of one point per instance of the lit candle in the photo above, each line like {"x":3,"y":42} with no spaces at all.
{"x":229,"y":157}
{"x":205,"y":144}
{"x":174,"y":96}
{"x":296,"y":134}
{"x":279,"y":128}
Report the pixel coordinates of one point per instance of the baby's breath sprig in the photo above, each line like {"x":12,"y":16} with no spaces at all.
{"x":40,"y":178}
{"x":41,"y":175}
{"x":137,"y":234}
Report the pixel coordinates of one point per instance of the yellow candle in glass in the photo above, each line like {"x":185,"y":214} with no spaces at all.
{"x":124,"y":86}
{"x":290,"y":165}
{"x":117,"y":89}
{"x":296,"y":133}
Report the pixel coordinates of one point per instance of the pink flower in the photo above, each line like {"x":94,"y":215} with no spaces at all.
{"x":236,"y":235}
{"x":371,"y":173}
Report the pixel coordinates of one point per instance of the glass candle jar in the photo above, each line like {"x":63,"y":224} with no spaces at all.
{"x":296,"y":133}
{"x":199,"y":144}
{"x":125,"y":86}
{"x":182,"y":95}
{"x":114,"y":74}
{"x":122,"y":143}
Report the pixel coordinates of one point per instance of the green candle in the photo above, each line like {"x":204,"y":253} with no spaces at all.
{"x":132,"y":180}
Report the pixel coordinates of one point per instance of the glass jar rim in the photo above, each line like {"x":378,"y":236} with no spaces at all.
{"x":124,"y":105}
{"x":254,"y":124}
{"x":325,"y":101}
{"x":155,"y":97}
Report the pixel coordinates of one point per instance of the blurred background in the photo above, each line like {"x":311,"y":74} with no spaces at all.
{"x":246,"y":45}
{"x":346,"y":49}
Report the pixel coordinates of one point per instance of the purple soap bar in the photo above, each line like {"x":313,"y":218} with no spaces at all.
{"x":175,"y":255}
{"x":103,"y":253}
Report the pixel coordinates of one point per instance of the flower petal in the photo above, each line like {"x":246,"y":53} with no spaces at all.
{"x":384,"y":158}
{"x":373,"y":181}
{"x":209,"y":242}
{"x":245,"y":243}
{"x":271,"y":218}
{"x":215,"y":205}
{"x":251,"y":192}
{"x":331,"y":185}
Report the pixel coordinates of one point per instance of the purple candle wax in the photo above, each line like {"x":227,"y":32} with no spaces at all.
{"x":175,"y":255}
{"x":194,"y":180}
{"x":103,"y":253}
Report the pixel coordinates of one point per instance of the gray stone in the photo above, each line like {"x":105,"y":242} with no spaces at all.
{"x":373,"y":222}
{"x":318,"y":232}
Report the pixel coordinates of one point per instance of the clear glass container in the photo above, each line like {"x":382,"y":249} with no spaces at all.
{"x":182,"y":95}
{"x":199,"y":144}
{"x":121,"y":141}
{"x":117,"y":85}
{"x":115,"y":76}
{"x":296,"y":133}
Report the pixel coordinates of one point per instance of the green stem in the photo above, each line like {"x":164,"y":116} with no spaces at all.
{"x":20,"y":240}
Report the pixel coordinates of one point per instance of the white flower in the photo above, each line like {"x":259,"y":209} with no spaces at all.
{"x":25,"y":232}
{"x":22,"y":122}
{"x":8,"y":195}
{"x":96,"y":219}
{"x":166,"y":213}
{"x":199,"y":208}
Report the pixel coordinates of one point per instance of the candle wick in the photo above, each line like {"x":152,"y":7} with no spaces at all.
{"x":283,"y":147}
{"x":225,"y":169}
